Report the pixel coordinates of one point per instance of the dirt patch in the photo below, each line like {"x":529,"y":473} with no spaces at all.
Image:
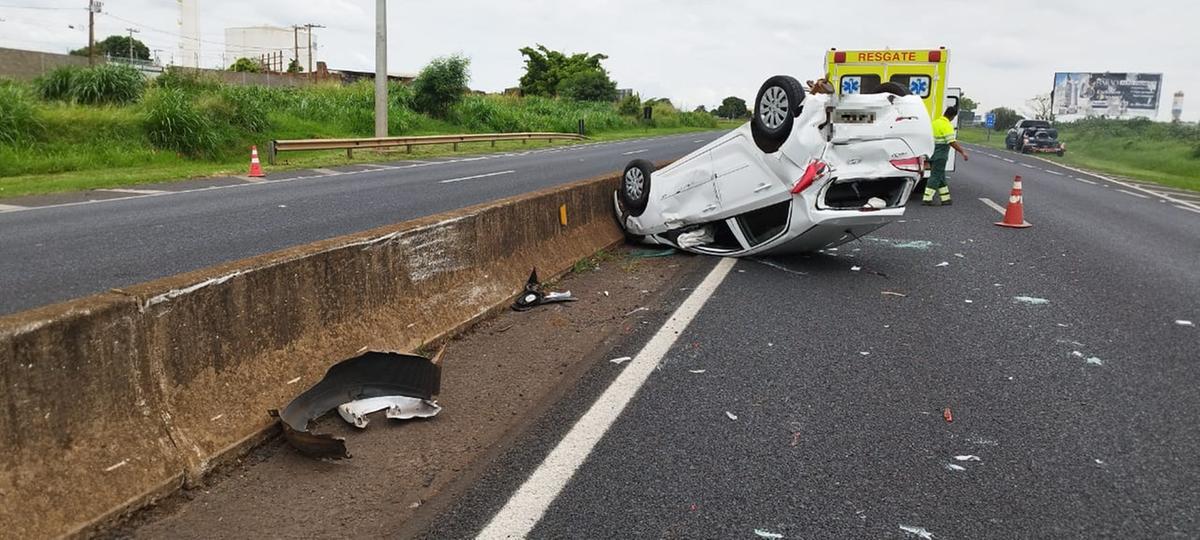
{"x":495,"y":378}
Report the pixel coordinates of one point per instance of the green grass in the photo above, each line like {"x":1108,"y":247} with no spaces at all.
{"x":184,"y":127}
{"x":1149,"y":152}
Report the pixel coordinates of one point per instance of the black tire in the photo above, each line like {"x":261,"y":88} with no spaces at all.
{"x":779,"y":100}
{"x":634,"y":191}
{"x":1060,"y":153}
{"x":1025,"y":150}
{"x":890,"y":88}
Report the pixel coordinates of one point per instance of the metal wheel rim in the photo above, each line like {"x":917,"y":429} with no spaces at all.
{"x":634,"y":183}
{"x":773,"y":109}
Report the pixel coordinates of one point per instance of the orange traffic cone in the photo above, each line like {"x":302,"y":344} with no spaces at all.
{"x":255,"y":168}
{"x":1014,"y":215}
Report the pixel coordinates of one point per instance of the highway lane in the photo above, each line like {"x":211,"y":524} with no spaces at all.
{"x":55,"y":253}
{"x":803,"y":401}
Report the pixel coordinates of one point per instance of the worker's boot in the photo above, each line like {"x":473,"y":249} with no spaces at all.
{"x":927,"y":200}
{"x":944,"y":195}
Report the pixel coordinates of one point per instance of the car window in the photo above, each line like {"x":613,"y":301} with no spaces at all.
{"x":1035,"y":124}
{"x":919,"y":85}
{"x":765,"y":223}
{"x":859,"y":84}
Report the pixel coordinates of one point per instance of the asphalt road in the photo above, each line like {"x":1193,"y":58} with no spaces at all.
{"x":121,"y":237}
{"x":806,"y":398}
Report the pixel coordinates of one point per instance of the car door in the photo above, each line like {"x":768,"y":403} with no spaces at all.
{"x":743,"y":181}
{"x":689,"y":192}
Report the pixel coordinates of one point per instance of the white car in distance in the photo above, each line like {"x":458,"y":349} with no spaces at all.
{"x":807,"y":172}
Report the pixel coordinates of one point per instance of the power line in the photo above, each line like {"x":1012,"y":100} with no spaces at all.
{"x":46,"y":8}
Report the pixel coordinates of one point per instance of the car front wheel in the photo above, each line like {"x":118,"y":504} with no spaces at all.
{"x":776,"y":106}
{"x":634,"y":191}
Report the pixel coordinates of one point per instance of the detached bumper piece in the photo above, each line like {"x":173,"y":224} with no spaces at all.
{"x":403,"y":384}
{"x":534,"y":296}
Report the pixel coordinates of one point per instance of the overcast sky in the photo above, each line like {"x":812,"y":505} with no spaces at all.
{"x":692,"y":51}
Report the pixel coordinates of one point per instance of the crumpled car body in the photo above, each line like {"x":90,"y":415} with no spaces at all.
{"x":835,"y":168}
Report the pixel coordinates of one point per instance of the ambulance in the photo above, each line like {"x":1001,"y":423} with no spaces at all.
{"x":923,"y":71}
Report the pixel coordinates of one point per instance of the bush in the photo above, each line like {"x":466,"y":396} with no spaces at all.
{"x":173,"y":122}
{"x":108,"y":84}
{"x":58,"y":85}
{"x":183,"y":79}
{"x":248,"y":107}
{"x":18,"y":117}
{"x":441,"y":85}
{"x":630,"y":105}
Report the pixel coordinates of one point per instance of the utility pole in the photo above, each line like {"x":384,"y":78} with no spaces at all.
{"x":381,"y":112}
{"x":132,"y":31}
{"x":310,"y":26}
{"x":93,"y":7}
{"x":296,"y":44}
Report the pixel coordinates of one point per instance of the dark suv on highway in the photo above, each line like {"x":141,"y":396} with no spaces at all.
{"x":1030,"y":136}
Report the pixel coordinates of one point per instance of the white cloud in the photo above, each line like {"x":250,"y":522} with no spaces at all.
{"x":694,"y":52}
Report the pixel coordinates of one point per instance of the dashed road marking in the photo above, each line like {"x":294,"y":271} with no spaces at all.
{"x":631,"y":152}
{"x":698,"y":141}
{"x":1189,"y":209}
{"x":1084,"y":180}
{"x":530,"y":502}
{"x":325,"y":172}
{"x":1028,"y":166}
{"x":485,"y":175}
{"x":1008,"y":160}
{"x":1054,"y":172}
{"x":1138,"y":195}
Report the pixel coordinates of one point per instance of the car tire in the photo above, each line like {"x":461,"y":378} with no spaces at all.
{"x":634,"y":191}
{"x":1060,"y":153}
{"x":778,"y":102}
{"x":1025,"y":150}
{"x":891,"y":88}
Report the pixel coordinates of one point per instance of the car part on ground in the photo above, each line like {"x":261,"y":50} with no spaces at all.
{"x":534,"y":296}
{"x":370,"y":375}
{"x":809,"y":171}
{"x":397,"y":407}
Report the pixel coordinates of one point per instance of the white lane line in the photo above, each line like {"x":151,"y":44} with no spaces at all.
{"x":1138,"y":195}
{"x":134,"y":191}
{"x":992,"y":204}
{"x":11,"y":207}
{"x":1084,"y":180}
{"x":698,"y":141}
{"x":1028,"y":166}
{"x":631,"y":152}
{"x":325,"y":172}
{"x":1008,"y":160}
{"x":1054,"y":172}
{"x":1123,"y":184}
{"x":485,"y":175}
{"x":527,"y":506}
{"x":1176,"y":206}
{"x":376,"y":167}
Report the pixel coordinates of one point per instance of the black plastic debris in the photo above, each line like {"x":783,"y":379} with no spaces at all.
{"x":533,"y":295}
{"x":374,"y":374}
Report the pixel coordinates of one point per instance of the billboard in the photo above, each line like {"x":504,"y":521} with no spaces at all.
{"x":1109,"y":95}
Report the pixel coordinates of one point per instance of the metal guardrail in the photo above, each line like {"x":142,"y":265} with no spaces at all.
{"x":350,"y":145}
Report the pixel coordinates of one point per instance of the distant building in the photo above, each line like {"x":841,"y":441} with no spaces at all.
{"x":1177,"y":107}
{"x":623,"y":93}
{"x":257,"y":42}
{"x":189,"y":33}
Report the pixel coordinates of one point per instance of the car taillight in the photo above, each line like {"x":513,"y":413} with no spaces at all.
{"x":815,"y":170}
{"x":935,"y":56}
{"x":839,"y":57}
{"x":912,"y":164}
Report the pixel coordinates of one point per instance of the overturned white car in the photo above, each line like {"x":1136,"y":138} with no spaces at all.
{"x":807,"y":172}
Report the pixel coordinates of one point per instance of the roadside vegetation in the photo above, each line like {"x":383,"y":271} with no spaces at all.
{"x":1160,"y":152}
{"x":85,"y":128}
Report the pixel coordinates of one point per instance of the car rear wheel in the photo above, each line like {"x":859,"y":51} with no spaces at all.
{"x":776,"y":106}
{"x":634,"y":191}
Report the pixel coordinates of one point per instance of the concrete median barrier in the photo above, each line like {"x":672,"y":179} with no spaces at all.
{"x":116,"y":399}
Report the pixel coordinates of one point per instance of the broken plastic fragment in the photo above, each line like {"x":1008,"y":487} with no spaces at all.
{"x":875,"y":203}
{"x":953,"y":467}
{"x":1182,"y":322}
{"x":1077,"y":354}
{"x":398,"y":408}
{"x":1031,"y":300}
{"x":621,"y":360}
{"x":892,"y":293}
{"x":919,"y":532}
{"x":1093,"y":361}
{"x":960,"y":255}
{"x":865,"y":353}
{"x":533,"y":295}
{"x":943,"y":263}
{"x":767,"y":534}
{"x":731,"y":415}
{"x":373,"y":374}
{"x":698,"y":237}
{"x":949,"y":416}
{"x":968,"y":457}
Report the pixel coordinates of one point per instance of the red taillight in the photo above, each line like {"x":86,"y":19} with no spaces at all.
{"x":912,"y":164}
{"x":935,"y":56}
{"x":839,"y":57}
{"x":815,"y":170}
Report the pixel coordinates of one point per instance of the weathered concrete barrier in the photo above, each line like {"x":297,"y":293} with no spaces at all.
{"x":114,"y":400}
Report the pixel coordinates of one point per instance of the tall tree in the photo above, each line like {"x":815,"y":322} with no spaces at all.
{"x":117,"y":46}
{"x":733,"y":107}
{"x":441,"y":84}
{"x":1041,"y":107}
{"x":1006,"y":118}
{"x":966,"y":104}
{"x":578,"y":76}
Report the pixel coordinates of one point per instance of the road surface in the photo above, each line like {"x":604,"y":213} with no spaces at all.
{"x":806,"y":396}
{"x":62,"y":251}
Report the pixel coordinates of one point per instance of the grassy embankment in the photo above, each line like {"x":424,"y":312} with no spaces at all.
{"x":53,"y":139}
{"x":1167,"y":154}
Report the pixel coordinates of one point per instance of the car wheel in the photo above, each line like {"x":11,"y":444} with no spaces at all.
{"x":1060,"y":153}
{"x":634,"y":191}
{"x":891,"y":88}
{"x":776,"y":106}
{"x":1025,"y":150}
